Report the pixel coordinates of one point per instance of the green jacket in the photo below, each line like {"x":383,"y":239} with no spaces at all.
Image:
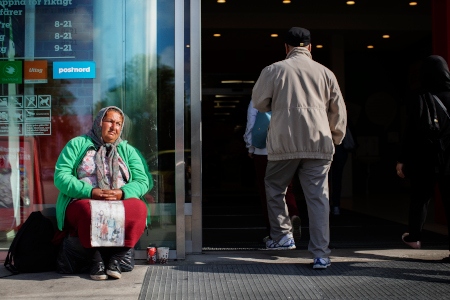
{"x":70,"y":187}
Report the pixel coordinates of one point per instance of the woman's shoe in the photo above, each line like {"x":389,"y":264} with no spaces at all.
{"x":414,"y":245}
{"x":98,"y":271}
{"x":114,"y":269}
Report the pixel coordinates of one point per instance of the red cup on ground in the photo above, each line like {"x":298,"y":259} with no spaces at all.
{"x":151,"y":255}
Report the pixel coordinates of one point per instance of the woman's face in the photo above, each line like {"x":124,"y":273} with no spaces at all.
{"x":111,"y":126}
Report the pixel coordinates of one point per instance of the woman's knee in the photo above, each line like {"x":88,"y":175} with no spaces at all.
{"x":136,"y":206}
{"x":78,"y":210}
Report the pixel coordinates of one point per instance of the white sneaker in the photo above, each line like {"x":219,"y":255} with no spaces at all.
{"x":286,"y":243}
{"x":321,"y":263}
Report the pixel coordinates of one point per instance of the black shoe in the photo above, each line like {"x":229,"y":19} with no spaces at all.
{"x":98,"y":271}
{"x":114,"y":269}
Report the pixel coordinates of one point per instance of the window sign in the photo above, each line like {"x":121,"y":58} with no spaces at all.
{"x":35,"y":71}
{"x":10,"y":72}
{"x":76,"y":69}
{"x":35,"y":36}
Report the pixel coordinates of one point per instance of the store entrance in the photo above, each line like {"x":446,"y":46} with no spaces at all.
{"x":232,"y":216}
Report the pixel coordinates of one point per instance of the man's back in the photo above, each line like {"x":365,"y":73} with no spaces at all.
{"x":301,"y":80}
{"x":301,"y":93}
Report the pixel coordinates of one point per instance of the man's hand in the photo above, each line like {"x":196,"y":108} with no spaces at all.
{"x":399,"y":168}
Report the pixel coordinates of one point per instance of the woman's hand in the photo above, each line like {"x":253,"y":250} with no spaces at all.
{"x":108,"y":195}
{"x":399,"y":168}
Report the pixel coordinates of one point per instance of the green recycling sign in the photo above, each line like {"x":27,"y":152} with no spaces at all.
{"x":10,"y":72}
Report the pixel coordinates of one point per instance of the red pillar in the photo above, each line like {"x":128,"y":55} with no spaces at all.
{"x":440,"y":16}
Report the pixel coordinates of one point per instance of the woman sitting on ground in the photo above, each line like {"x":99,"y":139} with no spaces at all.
{"x":101,"y":179}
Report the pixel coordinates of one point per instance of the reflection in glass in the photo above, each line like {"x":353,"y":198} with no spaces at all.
{"x":131,"y":43}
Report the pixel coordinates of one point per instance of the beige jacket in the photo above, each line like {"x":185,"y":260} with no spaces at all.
{"x":308,"y":111}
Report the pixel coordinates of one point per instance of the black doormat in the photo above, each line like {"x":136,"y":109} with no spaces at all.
{"x":391,"y":279}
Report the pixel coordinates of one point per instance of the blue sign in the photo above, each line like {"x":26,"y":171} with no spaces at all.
{"x":73,"y":69}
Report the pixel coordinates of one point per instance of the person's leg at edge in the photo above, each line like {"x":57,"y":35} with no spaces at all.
{"x":444,"y":189}
{"x":278,"y":176}
{"x":422,"y":189}
{"x":313,"y":176}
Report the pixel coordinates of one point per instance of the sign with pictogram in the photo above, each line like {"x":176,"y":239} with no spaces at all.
{"x":10,"y":72}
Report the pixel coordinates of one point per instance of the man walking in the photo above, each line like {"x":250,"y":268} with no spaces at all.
{"x":308,"y":117}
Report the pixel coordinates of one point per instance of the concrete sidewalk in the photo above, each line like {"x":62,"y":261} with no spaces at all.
{"x":264,"y":274}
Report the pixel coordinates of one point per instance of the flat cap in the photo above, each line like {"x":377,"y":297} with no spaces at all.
{"x":298,"y":37}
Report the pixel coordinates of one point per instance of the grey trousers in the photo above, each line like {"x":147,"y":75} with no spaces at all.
{"x":313,"y":177}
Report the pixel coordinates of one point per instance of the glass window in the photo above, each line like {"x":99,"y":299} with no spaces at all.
{"x":60,"y":62}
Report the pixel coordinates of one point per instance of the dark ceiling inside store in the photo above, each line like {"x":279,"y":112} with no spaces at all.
{"x":245,"y":45}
